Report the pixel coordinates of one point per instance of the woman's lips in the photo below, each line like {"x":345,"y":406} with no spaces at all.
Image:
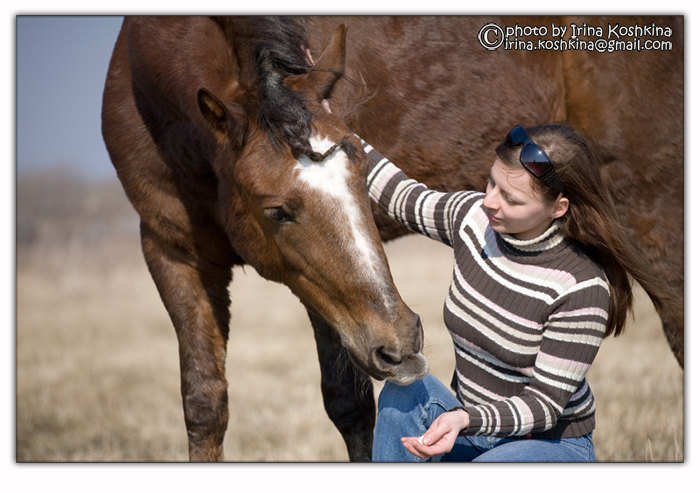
{"x":492,"y":218}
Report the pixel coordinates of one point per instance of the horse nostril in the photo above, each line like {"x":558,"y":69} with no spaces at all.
{"x":387,"y":357}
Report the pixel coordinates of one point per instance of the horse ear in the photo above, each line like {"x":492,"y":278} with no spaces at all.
{"x":329,"y":67}
{"x":226,"y":120}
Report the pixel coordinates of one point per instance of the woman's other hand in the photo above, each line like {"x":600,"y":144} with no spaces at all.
{"x":440,"y":437}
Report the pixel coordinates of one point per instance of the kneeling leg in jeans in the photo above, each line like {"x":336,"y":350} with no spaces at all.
{"x":409,"y":411}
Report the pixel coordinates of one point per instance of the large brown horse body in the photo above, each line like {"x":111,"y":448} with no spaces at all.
{"x":220,"y":177}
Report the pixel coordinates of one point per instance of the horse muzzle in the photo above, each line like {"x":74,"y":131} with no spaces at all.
{"x":401,"y":364}
{"x":409,"y":370}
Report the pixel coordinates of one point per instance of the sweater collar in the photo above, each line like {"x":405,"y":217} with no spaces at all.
{"x":547,"y":241}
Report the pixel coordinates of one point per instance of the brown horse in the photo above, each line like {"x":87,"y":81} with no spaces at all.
{"x":209,"y":127}
{"x":210,"y":171}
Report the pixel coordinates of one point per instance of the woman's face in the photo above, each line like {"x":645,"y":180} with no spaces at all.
{"x":514,"y":207}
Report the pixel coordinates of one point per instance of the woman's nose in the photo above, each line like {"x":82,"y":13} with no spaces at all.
{"x":490,"y":201}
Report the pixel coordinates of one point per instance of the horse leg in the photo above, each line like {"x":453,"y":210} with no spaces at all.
{"x":347,"y":393}
{"x":196,"y":298}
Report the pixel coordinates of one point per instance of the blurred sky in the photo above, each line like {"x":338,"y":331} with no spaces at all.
{"x":61,"y":66}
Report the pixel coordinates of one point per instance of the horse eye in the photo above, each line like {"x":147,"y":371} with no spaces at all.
{"x":278,"y":214}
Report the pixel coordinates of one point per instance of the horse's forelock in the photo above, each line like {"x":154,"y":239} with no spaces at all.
{"x":281,"y":40}
{"x":279,"y":52}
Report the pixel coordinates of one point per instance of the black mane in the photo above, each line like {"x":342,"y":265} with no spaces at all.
{"x":279,"y":53}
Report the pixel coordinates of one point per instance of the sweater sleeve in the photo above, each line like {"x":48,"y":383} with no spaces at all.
{"x":571,"y":339}
{"x":428,"y":212}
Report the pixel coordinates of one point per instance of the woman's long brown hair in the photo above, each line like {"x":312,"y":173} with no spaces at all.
{"x":592,"y":220}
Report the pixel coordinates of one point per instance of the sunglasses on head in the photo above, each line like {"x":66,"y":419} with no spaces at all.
{"x":534,"y":159}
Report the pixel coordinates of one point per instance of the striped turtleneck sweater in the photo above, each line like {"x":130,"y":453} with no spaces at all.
{"x":526,"y":317}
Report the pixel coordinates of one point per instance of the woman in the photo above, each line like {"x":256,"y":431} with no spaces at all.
{"x":540,"y":278}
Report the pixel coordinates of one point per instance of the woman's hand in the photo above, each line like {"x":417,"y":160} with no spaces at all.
{"x":440,"y":437}
{"x":326,"y":105}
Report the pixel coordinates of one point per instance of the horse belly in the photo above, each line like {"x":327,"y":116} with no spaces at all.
{"x":434,"y":100}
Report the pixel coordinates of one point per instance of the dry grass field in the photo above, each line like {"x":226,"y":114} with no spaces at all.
{"x":97,"y":372}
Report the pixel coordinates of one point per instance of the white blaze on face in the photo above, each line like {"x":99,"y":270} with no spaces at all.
{"x":331,"y":178}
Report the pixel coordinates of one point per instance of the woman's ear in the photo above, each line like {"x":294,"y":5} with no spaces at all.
{"x":561,"y":206}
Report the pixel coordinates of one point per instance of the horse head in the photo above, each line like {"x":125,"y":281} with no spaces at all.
{"x":292,"y":196}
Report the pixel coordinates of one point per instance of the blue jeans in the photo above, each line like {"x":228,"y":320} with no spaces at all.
{"x":409,"y":411}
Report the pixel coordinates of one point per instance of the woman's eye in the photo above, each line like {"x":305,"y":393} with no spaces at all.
{"x":278,"y":214}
